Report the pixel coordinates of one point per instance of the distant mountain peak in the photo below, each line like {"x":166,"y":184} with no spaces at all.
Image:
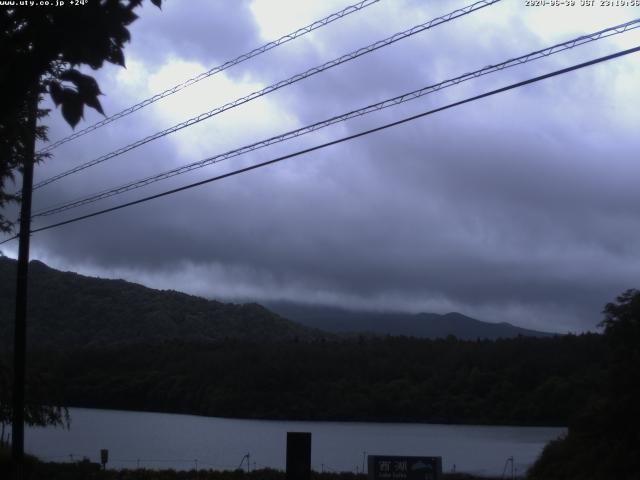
{"x":420,"y":325}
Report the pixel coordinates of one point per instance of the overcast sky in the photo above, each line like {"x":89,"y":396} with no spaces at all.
{"x":522,"y":207}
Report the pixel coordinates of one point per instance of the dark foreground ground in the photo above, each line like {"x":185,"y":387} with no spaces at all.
{"x":36,"y":470}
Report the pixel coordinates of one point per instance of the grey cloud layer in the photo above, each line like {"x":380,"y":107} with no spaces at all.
{"x":521,"y":208}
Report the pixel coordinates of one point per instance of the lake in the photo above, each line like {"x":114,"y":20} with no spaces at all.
{"x":161,"y":440}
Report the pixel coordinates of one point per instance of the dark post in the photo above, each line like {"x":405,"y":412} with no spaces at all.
{"x":20,"y":334}
{"x":298,"y":455}
{"x":104,"y":458}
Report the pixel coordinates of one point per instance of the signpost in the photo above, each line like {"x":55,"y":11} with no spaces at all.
{"x":104,"y":458}
{"x":298,"y":455}
{"x":386,"y":467}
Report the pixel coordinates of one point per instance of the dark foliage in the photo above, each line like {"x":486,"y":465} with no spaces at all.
{"x":604,"y":439}
{"x":525,"y":381}
{"x":42,"y":48}
{"x":43,"y":402}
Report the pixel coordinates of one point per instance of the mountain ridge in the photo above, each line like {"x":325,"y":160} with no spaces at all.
{"x":70,"y":310}
{"x":419,"y":325}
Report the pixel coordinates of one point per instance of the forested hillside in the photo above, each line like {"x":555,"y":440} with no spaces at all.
{"x":67,"y":310}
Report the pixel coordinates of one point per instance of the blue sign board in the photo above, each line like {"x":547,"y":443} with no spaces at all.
{"x":386,"y":467}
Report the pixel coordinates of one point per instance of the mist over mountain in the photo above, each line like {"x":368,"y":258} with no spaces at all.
{"x":421,"y":325}
{"x":69,"y":310}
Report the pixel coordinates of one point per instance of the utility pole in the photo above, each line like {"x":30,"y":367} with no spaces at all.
{"x":20,"y":333}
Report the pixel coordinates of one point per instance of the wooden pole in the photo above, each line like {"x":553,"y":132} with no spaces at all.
{"x":20,"y":334}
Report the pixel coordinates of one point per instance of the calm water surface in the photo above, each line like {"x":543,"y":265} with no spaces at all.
{"x":160,"y":440}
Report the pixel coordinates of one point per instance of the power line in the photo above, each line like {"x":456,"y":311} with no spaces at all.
{"x":276,"y":86}
{"x":340,"y":118}
{"x":341,"y":140}
{"x":230,"y":63}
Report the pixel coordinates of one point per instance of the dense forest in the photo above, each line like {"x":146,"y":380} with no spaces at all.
{"x":524,"y":381}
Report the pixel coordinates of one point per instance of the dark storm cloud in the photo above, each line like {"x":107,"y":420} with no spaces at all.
{"x":519,"y":208}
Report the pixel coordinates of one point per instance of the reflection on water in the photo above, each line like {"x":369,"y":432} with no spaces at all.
{"x":160,"y":440}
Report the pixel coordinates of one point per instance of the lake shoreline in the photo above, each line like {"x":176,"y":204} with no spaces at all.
{"x":158,"y":441}
{"x":321,"y":420}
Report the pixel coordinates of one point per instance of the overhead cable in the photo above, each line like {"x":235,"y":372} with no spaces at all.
{"x":356,"y":7}
{"x":340,"y":118}
{"x":276,"y":86}
{"x":340,"y":140}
